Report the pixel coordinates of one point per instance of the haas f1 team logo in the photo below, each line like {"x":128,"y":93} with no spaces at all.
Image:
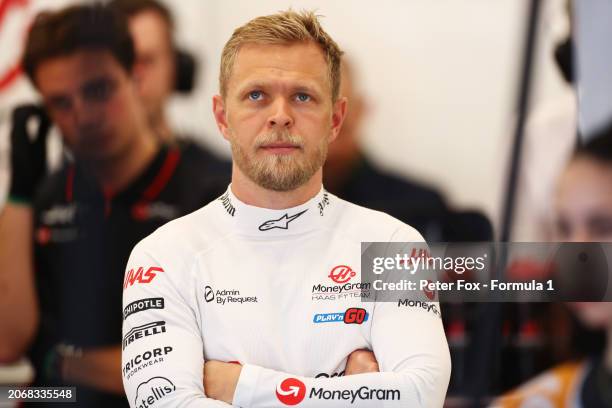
{"x":291,"y":391}
{"x":342,"y":274}
{"x":139,"y":275}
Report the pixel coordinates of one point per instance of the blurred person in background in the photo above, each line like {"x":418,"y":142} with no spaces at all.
{"x":583,"y":214}
{"x":69,"y":235}
{"x":349,"y":174}
{"x":160,"y":70}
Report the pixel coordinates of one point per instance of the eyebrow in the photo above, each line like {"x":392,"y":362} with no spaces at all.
{"x":96,"y":81}
{"x":301,"y":87}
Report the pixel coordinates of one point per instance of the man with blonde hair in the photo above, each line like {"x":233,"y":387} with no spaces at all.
{"x":255,"y":299}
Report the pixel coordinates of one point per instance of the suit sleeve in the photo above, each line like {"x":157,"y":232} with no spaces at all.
{"x":162,"y":349}
{"x":410,"y":346}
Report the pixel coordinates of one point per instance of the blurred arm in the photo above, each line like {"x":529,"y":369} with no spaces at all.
{"x":98,"y":368}
{"x":18,"y":302}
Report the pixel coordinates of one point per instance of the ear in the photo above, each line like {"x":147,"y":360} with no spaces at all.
{"x":220,"y":115}
{"x":338,"y":115}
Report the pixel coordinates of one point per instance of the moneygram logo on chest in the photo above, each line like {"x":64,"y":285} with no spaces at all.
{"x":226,"y":296}
{"x":342,"y":285}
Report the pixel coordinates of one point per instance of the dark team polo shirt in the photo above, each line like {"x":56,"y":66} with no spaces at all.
{"x":83,"y":238}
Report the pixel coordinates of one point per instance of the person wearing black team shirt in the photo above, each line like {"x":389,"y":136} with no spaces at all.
{"x":161,"y":69}
{"x":353,"y":177}
{"x":73,"y":233}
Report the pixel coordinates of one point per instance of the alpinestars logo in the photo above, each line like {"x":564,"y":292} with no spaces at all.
{"x":281,"y":223}
{"x":151,"y":391}
{"x":291,"y":391}
{"x":145,"y":330}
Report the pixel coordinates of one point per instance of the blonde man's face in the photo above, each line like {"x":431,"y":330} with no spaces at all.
{"x":278,"y":114}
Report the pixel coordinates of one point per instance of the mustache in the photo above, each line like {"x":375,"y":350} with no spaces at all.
{"x":282,"y":136}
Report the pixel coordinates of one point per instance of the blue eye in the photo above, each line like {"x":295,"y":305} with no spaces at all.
{"x":255,"y":95}
{"x":302,"y":97}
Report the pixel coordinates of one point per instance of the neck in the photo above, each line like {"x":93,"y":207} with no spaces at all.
{"x":162,"y":128}
{"x":116,"y":173}
{"x":252,"y":194}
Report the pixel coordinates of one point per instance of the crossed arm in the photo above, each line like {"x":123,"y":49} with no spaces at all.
{"x":409,"y":347}
{"x":221,"y":379}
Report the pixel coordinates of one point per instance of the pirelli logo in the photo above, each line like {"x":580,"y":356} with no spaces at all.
{"x":145,"y":330}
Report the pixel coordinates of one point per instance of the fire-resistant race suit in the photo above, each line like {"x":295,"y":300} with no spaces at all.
{"x":278,"y":291}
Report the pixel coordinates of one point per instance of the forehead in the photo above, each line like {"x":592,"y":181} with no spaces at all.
{"x":302,"y":63}
{"x":68,"y":73}
{"x":149,"y":30}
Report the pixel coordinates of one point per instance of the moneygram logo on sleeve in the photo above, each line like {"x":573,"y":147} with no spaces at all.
{"x":139,"y":275}
{"x":292,"y":391}
{"x":151,"y":391}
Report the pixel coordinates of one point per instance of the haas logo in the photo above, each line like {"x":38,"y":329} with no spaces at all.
{"x":291,"y":391}
{"x":140,"y":276}
{"x":342,"y":274}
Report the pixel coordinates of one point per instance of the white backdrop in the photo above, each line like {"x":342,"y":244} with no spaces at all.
{"x":441,"y":78}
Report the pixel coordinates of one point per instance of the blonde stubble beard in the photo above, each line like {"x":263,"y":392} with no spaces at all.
{"x":279,"y":172}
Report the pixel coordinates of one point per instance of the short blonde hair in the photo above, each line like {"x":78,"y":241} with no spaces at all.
{"x":282,"y":28}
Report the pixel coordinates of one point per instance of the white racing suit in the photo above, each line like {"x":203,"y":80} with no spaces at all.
{"x":278,"y":291}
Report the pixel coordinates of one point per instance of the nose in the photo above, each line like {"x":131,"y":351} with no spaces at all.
{"x":281,"y":116}
{"x":85,"y":115}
